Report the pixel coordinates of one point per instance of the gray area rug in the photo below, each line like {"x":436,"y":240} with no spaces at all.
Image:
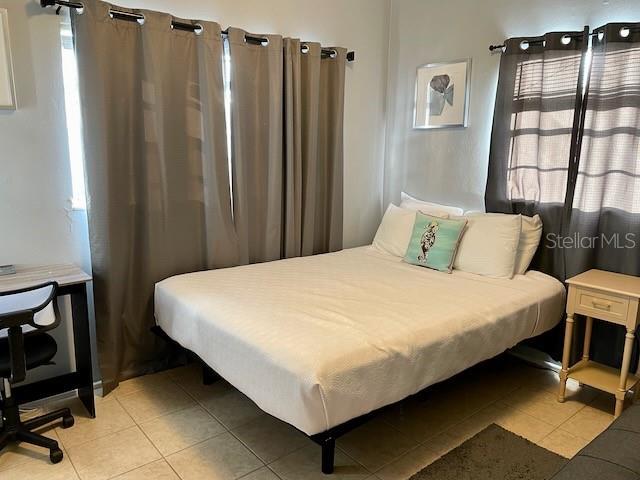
{"x":494,"y":454}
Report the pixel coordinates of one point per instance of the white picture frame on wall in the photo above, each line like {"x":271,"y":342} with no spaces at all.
{"x":442,"y":95}
{"x":7,"y":90}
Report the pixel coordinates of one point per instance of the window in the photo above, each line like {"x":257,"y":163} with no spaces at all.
{"x":73,"y":114}
{"x":541,"y":126}
{"x":609,"y":174}
{"x":226,"y":72}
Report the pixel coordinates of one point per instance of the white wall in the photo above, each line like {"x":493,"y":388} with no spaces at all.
{"x":450,"y":165}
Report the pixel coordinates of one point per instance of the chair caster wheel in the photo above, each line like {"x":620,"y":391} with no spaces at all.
{"x":56,"y":456}
{"x":68,"y":422}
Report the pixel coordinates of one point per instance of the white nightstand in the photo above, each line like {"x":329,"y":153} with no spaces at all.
{"x":611,"y":297}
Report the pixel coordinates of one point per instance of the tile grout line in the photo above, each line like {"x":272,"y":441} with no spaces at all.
{"x":173,"y":383}
{"x":201,"y":405}
{"x":66,"y":453}
{"x":451,"y":427}
{"x":199,"y":442}
{"x":244,"y":475}
{"x":412,"y":449}
{"x":492,"y":403}
{"x":137,"y":426}
{"x":274,"y":472}
{"x":153,"y":461}
{"x":248,"y":447}
{"x":132,"y":469}
{"x":230,"y":430}
{"x":60,"y":445}
{"x":101,"y":436}
{"x":169,"y":412}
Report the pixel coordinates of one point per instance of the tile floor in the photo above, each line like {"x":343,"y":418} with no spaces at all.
{"x":168,"y":426}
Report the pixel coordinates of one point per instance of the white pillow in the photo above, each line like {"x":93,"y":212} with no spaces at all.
{"x":529,"y":240}
{"x":489,"y":245}
{"x":428,"y":207}
{"x":394,"y":232}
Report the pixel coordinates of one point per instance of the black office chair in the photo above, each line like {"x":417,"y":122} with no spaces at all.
{"x":25,"y":315}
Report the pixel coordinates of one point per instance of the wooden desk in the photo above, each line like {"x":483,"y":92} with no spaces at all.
{"x":72,"y":281}
{"x":610,"y":297}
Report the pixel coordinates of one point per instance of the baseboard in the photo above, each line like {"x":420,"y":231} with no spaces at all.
{"x":97,"y":390}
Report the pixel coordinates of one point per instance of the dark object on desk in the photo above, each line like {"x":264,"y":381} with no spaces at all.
{"x":26,"y":314}
{"x":7,"y":270}
{"x":71,"y":281}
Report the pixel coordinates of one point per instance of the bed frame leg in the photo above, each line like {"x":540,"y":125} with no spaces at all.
{"x":208,"y":375}
{"x":328,"y":451}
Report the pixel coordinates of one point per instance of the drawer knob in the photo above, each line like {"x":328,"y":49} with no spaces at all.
{"x":602,"y":305}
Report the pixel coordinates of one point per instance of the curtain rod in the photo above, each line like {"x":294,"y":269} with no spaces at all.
{"x":538,"y":42}
{"x":594,"y":33}
{"x":190,"y":27}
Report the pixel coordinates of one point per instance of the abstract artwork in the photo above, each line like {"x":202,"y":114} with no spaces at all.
{"x":442,"y":95}
{"x":7,"y":97}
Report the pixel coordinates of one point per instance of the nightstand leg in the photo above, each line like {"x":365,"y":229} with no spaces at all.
{"x":624,"y":371}
{"x":588,"y":329}
{"x":566,"y":356}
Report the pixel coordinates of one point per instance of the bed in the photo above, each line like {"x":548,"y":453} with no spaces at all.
{"x":323,"y":340}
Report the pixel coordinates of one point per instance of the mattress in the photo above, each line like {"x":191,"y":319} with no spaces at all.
{"x":317,"y":341}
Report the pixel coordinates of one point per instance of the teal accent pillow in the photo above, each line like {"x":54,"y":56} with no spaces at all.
{"x":434,"y":242}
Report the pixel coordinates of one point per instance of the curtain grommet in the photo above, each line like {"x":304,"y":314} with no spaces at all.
{"x":194,"y":28}
{"x":139,"y":18}
{"x":262,"y":41}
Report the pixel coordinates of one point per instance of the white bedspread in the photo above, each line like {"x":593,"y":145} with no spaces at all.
{"x":319,"y":340}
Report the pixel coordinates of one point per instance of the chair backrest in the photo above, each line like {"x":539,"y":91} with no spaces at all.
{"x":22,"y":312}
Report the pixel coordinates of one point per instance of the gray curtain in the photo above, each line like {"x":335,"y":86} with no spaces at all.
{"x":533,"y":133}
{"x":156,"y":166}
{"x":607,"y":196}
{"x":606,"y":204}
{"x":572,"y":157}
{"x":533,"y":141}
{"x":287,"y":146}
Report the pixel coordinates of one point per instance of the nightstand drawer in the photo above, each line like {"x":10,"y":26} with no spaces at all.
{"x":602,"y":305}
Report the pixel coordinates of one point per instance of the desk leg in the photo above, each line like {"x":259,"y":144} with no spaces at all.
{"x":566,"y":356}
{"x":624,"y":371}
{"x":82,"y":343}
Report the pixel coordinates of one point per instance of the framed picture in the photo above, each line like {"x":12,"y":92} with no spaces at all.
{"x":7,"y":95}
{"x":442,"y":95}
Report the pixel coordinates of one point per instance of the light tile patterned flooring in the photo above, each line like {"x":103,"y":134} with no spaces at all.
{"x":168,"y":426}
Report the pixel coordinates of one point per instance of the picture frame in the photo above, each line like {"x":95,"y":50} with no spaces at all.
{"x":7,"y":88}
{"x":441,"y":97}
